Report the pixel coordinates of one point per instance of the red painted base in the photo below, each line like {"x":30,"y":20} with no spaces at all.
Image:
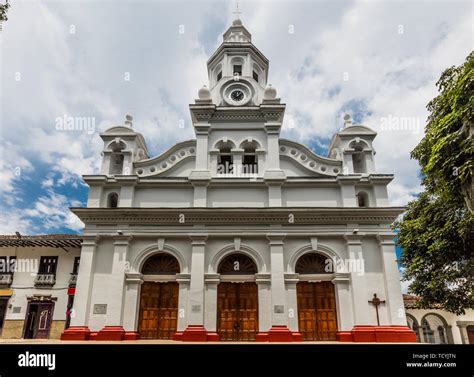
{"x":132,"y":335}
{"x":111,"y":333}
{"x":279,"y":334}
{"x":379,"y":334}
{"x":76,"y":333}
{"x":196,"y":333}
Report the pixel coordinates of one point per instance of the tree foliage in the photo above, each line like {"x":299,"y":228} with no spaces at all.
{"x":437,"y":229}
{"x":3,"y":11}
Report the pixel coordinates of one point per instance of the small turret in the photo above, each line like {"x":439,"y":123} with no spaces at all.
{"x":353,"y":145}
{"x":122,"y":147}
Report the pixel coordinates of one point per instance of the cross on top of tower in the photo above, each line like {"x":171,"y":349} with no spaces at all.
{"x":237,"y":12}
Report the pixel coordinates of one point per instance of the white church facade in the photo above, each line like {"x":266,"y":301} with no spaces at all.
{"x":238,"y":235}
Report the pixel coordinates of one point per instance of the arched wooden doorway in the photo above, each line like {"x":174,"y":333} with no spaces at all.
{"x":237,"y":299}
{"x":158,"y":317}
{"x":317,"y":317}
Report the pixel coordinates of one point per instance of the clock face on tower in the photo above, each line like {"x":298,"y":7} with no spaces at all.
{"x":237,"y":94}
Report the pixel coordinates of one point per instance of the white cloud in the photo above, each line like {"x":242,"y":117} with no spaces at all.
{"x":52,"y":211}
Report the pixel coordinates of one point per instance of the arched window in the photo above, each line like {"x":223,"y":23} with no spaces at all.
{"x":362,"y":199}
{"x":435,"y":329}
{"x":257,"y":74}
{"x":314,"y":263}
{"x":161,"y":264}
{"x":112,"y":200}
{"x":358,"y":157}
{"x":237,"y":264}
{"x":442,"y":335}
{"x":217,"y":73}
{"x":225,"y":161}
{"x":413,"y":324}
{"x":237,"y":64}
{"x":117,"y":158}
{"x":249,"y":159}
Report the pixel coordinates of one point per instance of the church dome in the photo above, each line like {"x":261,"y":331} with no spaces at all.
{"x":237,"y":22}
{"x":204,"y":93}
{"x":270,"y":92}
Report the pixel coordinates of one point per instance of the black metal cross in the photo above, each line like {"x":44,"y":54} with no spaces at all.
{"x":376,"y":302}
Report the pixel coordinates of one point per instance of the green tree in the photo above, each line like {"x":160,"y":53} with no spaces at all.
{"x":436,"y":232}
{"x":3,"y":11}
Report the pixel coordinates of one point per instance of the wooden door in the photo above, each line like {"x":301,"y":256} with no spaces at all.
{"x":158,"y":310}
{"x":38,"y":320}
{"x":237,"y":311}
{"x":317,"y":311}
{"x":470,"y":334}
{"x":44,"y":318}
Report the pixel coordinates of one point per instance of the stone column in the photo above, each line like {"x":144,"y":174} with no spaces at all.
{"x":237,"y":160}
{"x":291,"y":280}
{"x":393,"y":288}
{"x":127,"y":190}
{"x":279,"y":331}
{"x":348,"y":194}
{"x":79,"y":329}
{"x":202,"y":144}
{"x":132,"y":303}
{"x":113,"y":329}
{"x":360,"y":296}
{"x":183,"y":281}
{"x":201,"y":175}
{"x":195,"y":330}
{"x":106,"y":160}
{"x":344,"y":304}
{"x":210,"y":300}
{"x":96,"y":185}
{"x":264,"y":305}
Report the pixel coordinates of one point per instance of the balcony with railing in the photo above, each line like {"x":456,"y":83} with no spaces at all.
{"x":73,"y":281}
{"x":6,"y":279}
{"x":45,"y":280}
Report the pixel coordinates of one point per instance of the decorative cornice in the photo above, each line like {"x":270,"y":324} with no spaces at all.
{"x":230,"y":216}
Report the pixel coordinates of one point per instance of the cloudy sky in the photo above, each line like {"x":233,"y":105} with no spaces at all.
{"x":376,"y":60}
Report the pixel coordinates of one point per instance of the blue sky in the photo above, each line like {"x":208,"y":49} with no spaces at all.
{"x":374,"y":60}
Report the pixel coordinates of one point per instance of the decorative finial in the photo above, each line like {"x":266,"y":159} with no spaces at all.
{"x":347,"y":120}
{"x":270,"y":92}
{"x":204,"y":93}
{"x":128,"y":120}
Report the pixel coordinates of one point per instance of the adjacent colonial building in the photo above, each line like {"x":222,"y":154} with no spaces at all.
{"x":37,"y":284}
{"x":438,"y":326}
{"x":238,"y":234}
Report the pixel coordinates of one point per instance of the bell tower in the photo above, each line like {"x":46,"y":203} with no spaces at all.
{"x":237,"y":71}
